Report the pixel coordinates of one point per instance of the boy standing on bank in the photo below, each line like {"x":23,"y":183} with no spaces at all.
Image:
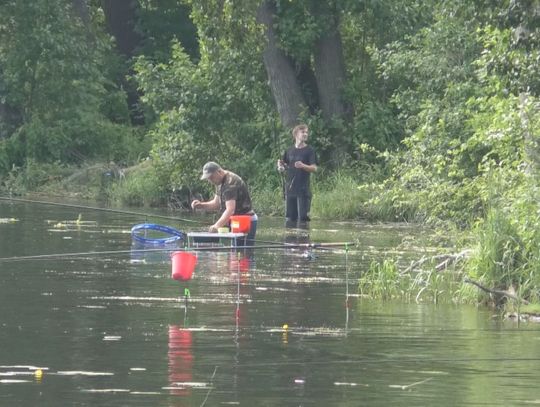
{"x":299,"y":161}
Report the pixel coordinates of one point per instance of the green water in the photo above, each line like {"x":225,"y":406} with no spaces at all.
{"x":116,"y":330}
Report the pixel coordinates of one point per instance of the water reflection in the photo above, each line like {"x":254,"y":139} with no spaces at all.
{"x":290,"y":224}
{"x":240,"y":263}
{"x":180,"y":356}
{"x":148,"y":253}
{"x":297,"y":236}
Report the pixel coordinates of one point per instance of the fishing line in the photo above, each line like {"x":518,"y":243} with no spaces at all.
{"x":212,"y":388}
{"x":169,"y":249}
{"x":346,"y":289}
{"x":95,"y":208}
{"x":347,"y":360}
{"x":60,"y":256}
{"x":295,"y":245}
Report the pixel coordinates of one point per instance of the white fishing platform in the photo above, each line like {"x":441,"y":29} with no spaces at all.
{"x":196,"y":239}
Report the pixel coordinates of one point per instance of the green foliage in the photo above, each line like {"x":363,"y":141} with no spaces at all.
{"x":533,"y":309}
{"x":142,"y":188}
{"x":267,"y":199}
{"x":459,"y":117}
{"x":438,"y":287}
{"x":222,"y":25}
{"x":163,"y":21}
{"x":19,"y":180}
{"x":376,"y":124}
{"x":365,"y":32}
{"x":338,"y":187}
{"x":381,"y":281}
{"x":384,"y":281}
{"x":508,"y":239}
{"x":54,"y":179}
{"x":53,"y":75}
{"x":466,"y":93}
{"x":298,"y":27}
{"x":511,"y":56}
{"x":199,"y":108}
{"x":389,"y":203}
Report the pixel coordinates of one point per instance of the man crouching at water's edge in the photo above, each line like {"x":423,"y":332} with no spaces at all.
{"x":231,"y":197}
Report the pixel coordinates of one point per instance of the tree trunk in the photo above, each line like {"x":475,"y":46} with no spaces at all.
{"x":329,"y":69}
{"x":281,"y":76}
{"x":81,"y":8}
{"x":330,"y":75}
{"x":3,"y":120}
{"x":120,"y":16}
{"x":531,"y":141}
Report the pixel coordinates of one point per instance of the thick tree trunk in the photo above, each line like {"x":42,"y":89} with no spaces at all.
{"x":120,"y":16}
{"x":329,"y":69}
{"x":81,"y":8}
{"x":10,"y":119}
{"x":3,"y":119}
{"x":281,"y":76}
{"x":532,"y":145}
{"x":330,"y":74}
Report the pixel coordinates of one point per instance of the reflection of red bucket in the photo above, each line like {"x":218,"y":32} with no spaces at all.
{"x":183,"y":264}
{"x":241,"y":264}
{"x":180,"y":360}
{"x":240,"y":223}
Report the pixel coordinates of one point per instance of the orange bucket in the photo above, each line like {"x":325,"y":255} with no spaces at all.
{"x":240,"y":223}
{"x":183,"y":265}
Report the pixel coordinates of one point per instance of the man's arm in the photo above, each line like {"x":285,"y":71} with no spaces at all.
{"x":230,"y":207}
{"x":212,"y":205}
{"x":305,"y":167}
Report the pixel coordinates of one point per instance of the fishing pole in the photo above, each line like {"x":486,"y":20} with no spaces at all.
{"x":291,"y":244}
{"x":278,"y":149}
{"x":95,"y":208}
{"x":185,"y":249}
{"x":79,"y":254}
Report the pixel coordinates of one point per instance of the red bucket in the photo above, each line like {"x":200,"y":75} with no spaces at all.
{"x":240,"y":223}
{"x":183,"y":265}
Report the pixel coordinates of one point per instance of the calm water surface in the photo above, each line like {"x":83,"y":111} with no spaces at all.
{"x":115,"y":330}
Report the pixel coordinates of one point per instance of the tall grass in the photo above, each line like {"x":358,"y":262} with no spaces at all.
{"x":335,"y":197}
{"x":142,"y":188}
{"x":268,"y":200}
{"x":384,"y":281}
{"x":507,"y":255}
{"x":505,"y":258}
{"x":338,"y":197}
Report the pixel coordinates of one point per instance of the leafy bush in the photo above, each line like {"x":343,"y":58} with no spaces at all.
{"x":140,"y":188}
{"x":507,"y":254}
{"x":55,"y":75}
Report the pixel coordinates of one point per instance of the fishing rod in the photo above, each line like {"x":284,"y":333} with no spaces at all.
{"x":95,"y":208}
{"x":294,"y":245}
{"x":184,"y":249}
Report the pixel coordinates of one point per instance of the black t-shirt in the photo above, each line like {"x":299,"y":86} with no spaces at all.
{"x":233,"y":187}
{"x":297,"y":178}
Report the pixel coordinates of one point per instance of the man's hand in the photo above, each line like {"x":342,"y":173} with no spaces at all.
{"x":213,"y":229}
{"x":195,"y":204}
